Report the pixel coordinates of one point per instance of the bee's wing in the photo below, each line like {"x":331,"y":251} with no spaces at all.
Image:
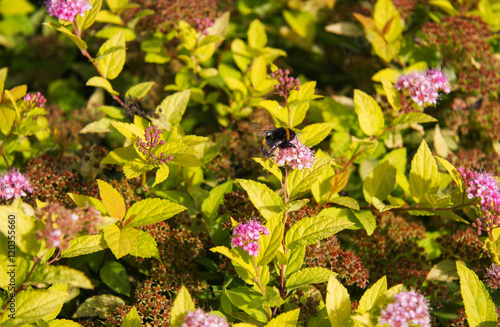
{"x":260,"y":129}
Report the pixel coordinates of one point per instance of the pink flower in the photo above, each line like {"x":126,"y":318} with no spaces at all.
{"x":423,"y":87}
{"x":37,"y":99}
{"x":67,"y":9}
{"x":14,"y":184}
{"x":247,"y":236}
{"x":297,"y":157}
{"x":493,"y":276}
{"x":410,"y":309}
{"x":203,"y":25}
{"x":199,"y":318}
{"x":483,"y":186}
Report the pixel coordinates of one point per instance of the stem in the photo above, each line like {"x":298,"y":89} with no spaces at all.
{"x":262,"y":289}
{"x":285,"y":218}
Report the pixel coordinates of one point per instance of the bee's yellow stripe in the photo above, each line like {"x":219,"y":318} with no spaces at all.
{"x":287,"y":134}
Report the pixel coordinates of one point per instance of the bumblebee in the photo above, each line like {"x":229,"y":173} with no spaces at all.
{"x":274,"y":138}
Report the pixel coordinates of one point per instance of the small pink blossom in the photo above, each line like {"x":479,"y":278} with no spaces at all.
{"x":297,"y":157}
{"x":423,"y":87}
{"x":67,"y":9}
{"x":202,"y":25}
{"x":35,"y":99}
{"x":247,"y":236}
{"x":14,"y":184}
{"x":493,"y":276}
{"x":199,"y":318}
{"x":409,"y":309}
{"x":481,"y":185}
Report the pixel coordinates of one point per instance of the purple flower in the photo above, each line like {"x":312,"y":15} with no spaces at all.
{"x":483,"y":186}
{"x":247,"y":236}
{"x":410,"y":309}
{"x":35,"y":99}
{"x":67,"y":9}
{"x":14,"y":184}
{"x":199,"y":318}
{"x":297,"y":157}
{"x":423,"y":87}
{"x":493,"y":276}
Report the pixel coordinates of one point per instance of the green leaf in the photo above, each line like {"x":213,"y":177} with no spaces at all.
{"x":7,"y":117}
{"x":413,"y":118}
{"x":380,"y":182}
{"x":366,"y":219}
{"x":479,"y":307}
{"x":147,"y":247}
{"x":78,"y":41}
{"x":295,"y":259}
{"x":211,"y":204}
{"x":115,"y":276}
{"x":294,"y":205}
{"x":271,"y":166}
{"x":346,"y":202}
{"x":244,"y":298}
{"x":257,"y":36}
{"x":150,"y":211}
{"x":110,"y":31}
{"x":161,"y":174}
{"x":187,"y":35}
{"x":452,"y":171}
{"x":89,"y":17}
{"x":278,"y":112}
{"x":424,"y":176}
{"x":372,"y":296}
{"x":112,"y":200}
{"x":301,"y":180}
{"x":313,"y":134}
{"x":241,"y":54}
{"x":308,"y":276}
{"x":111,"y":65}
{"x":98,"y":81}
{"x":289,"y":319}
{"x":310,"y":230}
{"x":270,"y":244}
{"x":132,"y":319}
{"x":444,"y":271}
{"x":84,"y":244}
{"x":101,"y":306}
{"x":338,"y":303}
{"x":298,"y":101}
{"x":64,"y":323}
{"x":26,"y":230}
{"x":263,"y":198}
{"x":371,"y":119}
{"x":385,"y":13}
{"x":121,"y":241}
{"x":140,"y":90}
{"x":46,"y":274}
{"x":235,"y":257}
{"x":258,"y":73}
{"x":183,"y":304}
{"x":102,"y":125}
{"x":171,"y":109}
{"x":393,"y":95}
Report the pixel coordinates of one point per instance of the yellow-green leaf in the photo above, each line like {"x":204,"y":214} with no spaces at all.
{"x":47,"y":274}
{"x":236,"y":258}
{"x":78,"y":41}
{"x":161,"y":174}
{"x":393,"y":95}
{"x":371,"y":119}
{"x":452,"y":171}
{"x":84,"y":244}
{"x":132,"y":319}
{"x":424,"y":175}
{"x":257,"y":36}
{"x":98,"y":81}
{"x":111,"y":63}
{"x":380,"y":182}
{"x":338,"y":303}
{"x":112,"y":200}
{"x":308,"y":276}
{"x":150,"y":211}
{"x":140,"y":90}
{"x":288,"y":319}
{"x":121,"y":241}
{"x":89,"y":17}
{"x":147,"y":247}
{"x":372,"y":295}
{"x":262,"y":197}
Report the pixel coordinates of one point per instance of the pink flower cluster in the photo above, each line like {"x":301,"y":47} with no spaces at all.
{"x":410,"y":309}
{"x":35,"y":99}
{"x":203,"y":24}
{"x":13,"y":184}
{"x":152,"y":136}
{"x":297,"y":157}
{"x":67,"y":9}
{"x":493,"y":276}
{"x":62,"y":224}
{"x":481,"y":185}
{"x":199,"y":318}
{"x":423,"y":87}
{"x":247,"y":236}
{"x":286,"y":83}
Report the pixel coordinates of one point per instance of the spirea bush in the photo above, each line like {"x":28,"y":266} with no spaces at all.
{"x":249,"y":163}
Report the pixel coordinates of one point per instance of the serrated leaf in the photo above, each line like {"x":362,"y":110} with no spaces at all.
{"x":121,"y":241}
{"x":338,"y":303}
{"x":241,"y":54}
{"x":339,"y":181}
{"x":111,"y":65}
{"x":171,"y":109}
{"x":289,"y":319}
{"x":140,"y":90}
{"x":270,"y":244}
{"x":63,"y":323}
{"x":183,"y":304}
{"x":366,"y":219}
{"x":278,"y":112}
{"x":313,"y":134}
{"x":345,"y":202}
{"x":479,"y":307}
{"x":114,"y":275}
{"x":84,"y":244}
{"x":371,"y":119}
{"x":147,"y":247}
{"x":307,"y":276}
{"x":211,"y":204}
{"x":372,"y":295}
{"x":392,"y":94}
{"x":120,"y":156}
{"x":242,"y":298}
{"x":380,"y":182}
{"x":161,"y":174}
{"x":271,"y":166}
{"x":132,"y":319}
{"x":294,"y":205}
{"x":46,"y":274}
{"x":89,"y":17}
{"x":263,"y":198}
{"x":295,"y":259}
{"x":440,"y":146}
{"x":152,"y":210}
{"x":112,"y":200}
{"x":452,"y":171}
{"x":301,"y":180}
{"x":310,"y":230}
{"x":257,"y":37}
{"x":101,"y":306}
{"x":235,"y":257}
{"x":102,"y":125}
{"x":299,"y":101}
{"x":98,"y":81}
{"x":424,"y":176}
{"x":413,"y":118}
